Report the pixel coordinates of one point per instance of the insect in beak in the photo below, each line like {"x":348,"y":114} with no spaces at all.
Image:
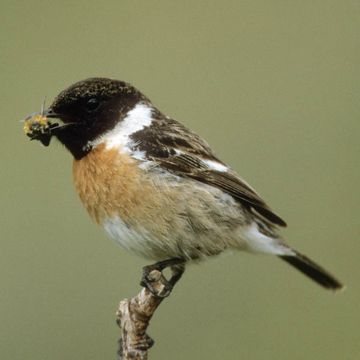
{"x":42,"y":126}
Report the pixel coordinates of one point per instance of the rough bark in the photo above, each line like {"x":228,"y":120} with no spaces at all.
{"x":133,"y":317}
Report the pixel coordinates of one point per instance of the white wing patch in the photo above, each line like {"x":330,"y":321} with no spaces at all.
{"x":214,"y":165}
{"x":211,"y":164}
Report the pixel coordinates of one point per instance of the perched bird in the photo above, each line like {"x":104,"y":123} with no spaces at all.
{"x":155,"y":186}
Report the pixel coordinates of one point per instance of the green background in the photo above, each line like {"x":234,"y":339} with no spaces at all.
{"x":274,"y":87}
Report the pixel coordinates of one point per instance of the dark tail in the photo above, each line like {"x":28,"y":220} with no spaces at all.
{"x":313,"y":271}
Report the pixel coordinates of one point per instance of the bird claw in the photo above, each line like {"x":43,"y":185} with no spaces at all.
{"x":154,"y":280}
{"x":156,"y":283}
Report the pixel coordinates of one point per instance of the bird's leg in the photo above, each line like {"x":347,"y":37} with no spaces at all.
{"x":177,"y":266}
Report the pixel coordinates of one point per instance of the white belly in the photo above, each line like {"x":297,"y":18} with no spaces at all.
{"x":135,"y":241}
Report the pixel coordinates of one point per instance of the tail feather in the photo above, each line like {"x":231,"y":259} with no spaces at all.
{"x":312,"y":270}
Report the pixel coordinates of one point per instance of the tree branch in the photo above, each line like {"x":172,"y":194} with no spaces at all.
{"x":133,"y":317}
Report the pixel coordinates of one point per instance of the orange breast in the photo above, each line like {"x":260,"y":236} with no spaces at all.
{"x":110,"y":183}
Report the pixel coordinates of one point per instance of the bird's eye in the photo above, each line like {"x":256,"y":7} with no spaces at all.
{"x":92,"y":104}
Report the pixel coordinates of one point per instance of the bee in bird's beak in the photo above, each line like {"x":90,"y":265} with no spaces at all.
{"x":41,"y":125}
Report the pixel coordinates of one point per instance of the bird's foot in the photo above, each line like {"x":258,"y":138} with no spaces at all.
{"x":152,"y":276}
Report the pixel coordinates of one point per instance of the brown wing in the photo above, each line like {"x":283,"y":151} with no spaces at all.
{"x":229,"y":182}
{"x":179,"y":150}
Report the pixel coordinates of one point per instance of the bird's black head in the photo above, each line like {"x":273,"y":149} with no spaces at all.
{"x":88,"y":109}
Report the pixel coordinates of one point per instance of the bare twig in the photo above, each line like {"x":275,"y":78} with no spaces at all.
{"x":133,"y":317}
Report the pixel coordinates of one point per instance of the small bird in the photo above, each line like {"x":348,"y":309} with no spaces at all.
{"x":155,"y":186}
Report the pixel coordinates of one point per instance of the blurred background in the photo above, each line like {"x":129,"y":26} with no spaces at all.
{"x":274,"y":88}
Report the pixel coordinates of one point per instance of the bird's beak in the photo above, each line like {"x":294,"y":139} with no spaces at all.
{"x":42,"y":126}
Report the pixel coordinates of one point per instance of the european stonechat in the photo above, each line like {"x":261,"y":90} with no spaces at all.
{"x":155,"y":186}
